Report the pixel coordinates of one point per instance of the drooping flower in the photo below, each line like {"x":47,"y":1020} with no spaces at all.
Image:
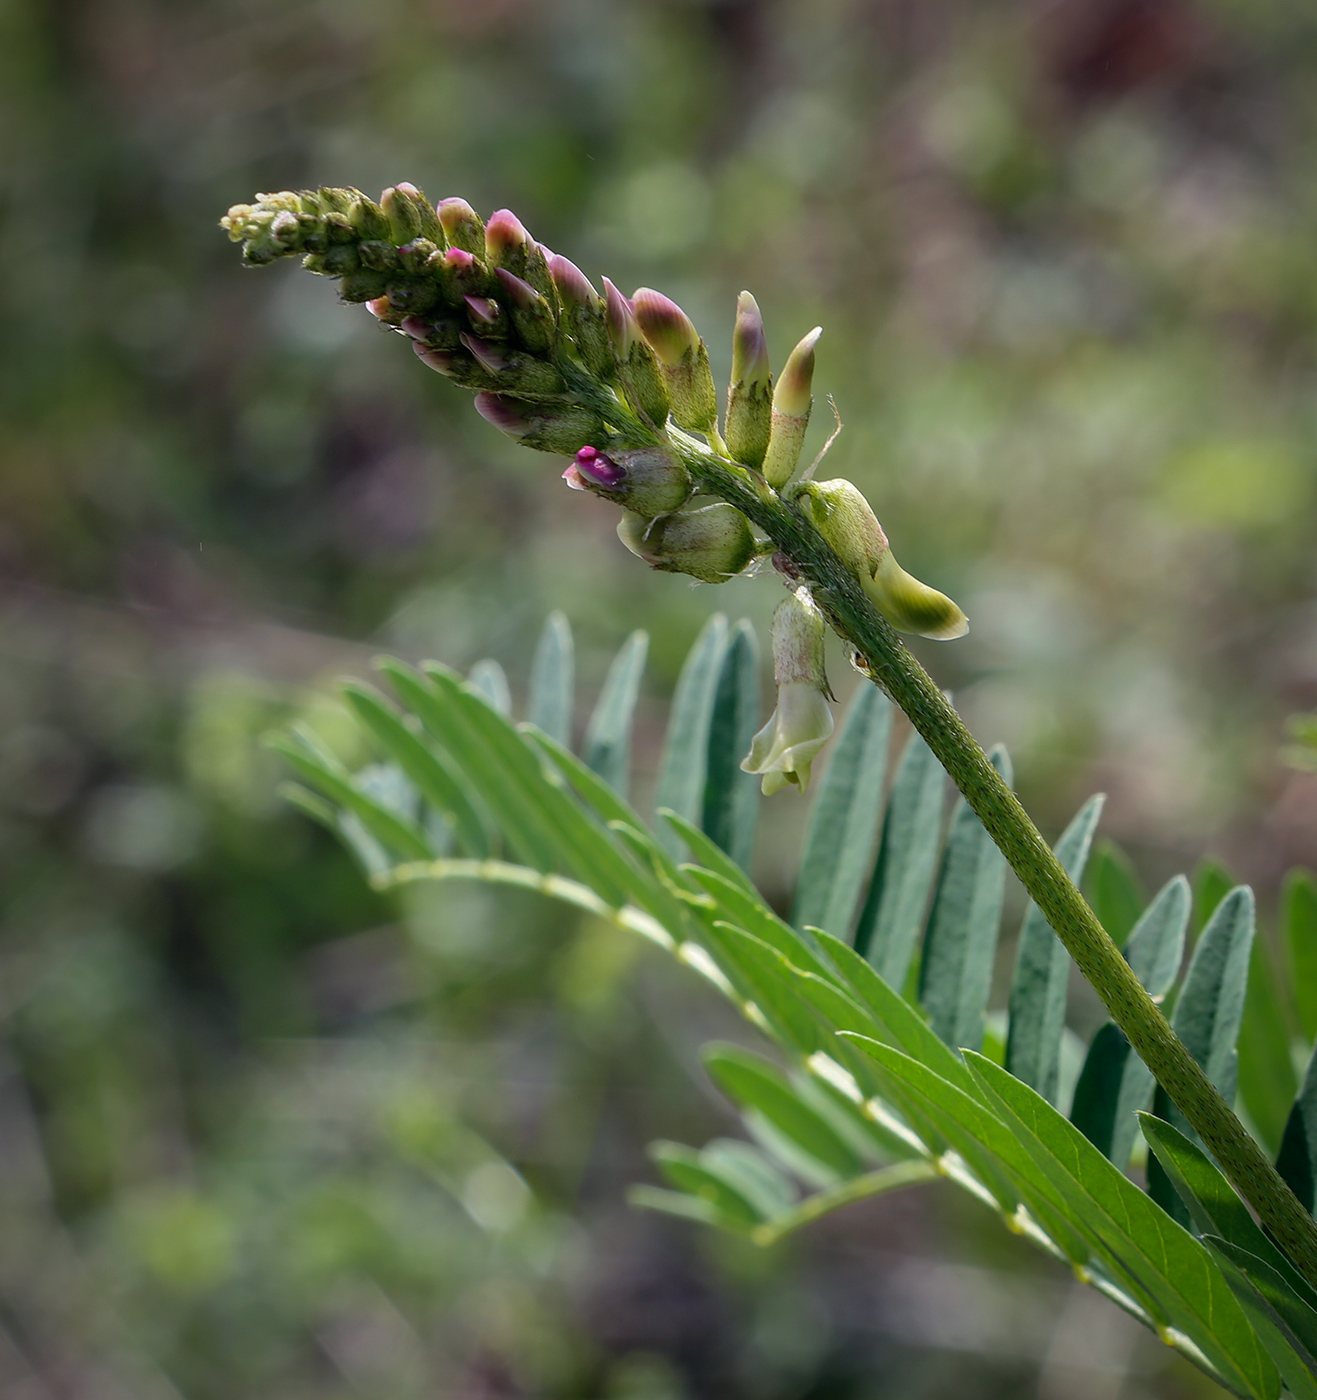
{"x":798,"y":728}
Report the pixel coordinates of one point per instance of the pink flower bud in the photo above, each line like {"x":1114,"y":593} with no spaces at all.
{"x":623,"y":328}
{"x":461,"y":225}
{"x":573,"y":285}
{"x":445,"y":361}
{"x":489,"y":357}
{"x":503,"y":412}
{"x":518,"y":293}
{"x":749,"y":343}
{"x":486,"y":315}
{"x":505,"y":236}
{"x":663,"y":323}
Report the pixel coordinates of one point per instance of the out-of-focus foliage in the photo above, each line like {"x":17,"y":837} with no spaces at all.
{"x":1065,"y":259}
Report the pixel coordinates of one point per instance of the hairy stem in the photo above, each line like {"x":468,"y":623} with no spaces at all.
{"x":891,"y":666}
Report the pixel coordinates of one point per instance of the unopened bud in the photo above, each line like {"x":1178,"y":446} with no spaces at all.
{"x":566,"y":428}
{"x":411,"y":296}
{"x":403,"y":216}
{"x":637,"y":365}
{"x":364,"y":285}
{"x":583,"y":317}
{"x":670,"y":332}
{"x":673,"y":338}
{"x":487,"y":317}
{"x":462,"y":274}
{"x":792,"y":401}
{"x":516,"y":373}
{"x":416,"y":256}
{"x":509,"y":246}
{"x":532,"y":316}
{"x":368,"y":219}
{"x":713,"y":543}
{"x":647,"y":480}
{"x":462,"y":226}
{"x":787,"y":745}
{"x":623,"y":328}
{"x":748,"y":421}
{"x":846,"y":521}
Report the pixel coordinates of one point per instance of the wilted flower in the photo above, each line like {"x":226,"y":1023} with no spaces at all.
{"x":787,"y":745}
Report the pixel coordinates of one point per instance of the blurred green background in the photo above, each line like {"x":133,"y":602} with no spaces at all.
{"x":264,"y":1134}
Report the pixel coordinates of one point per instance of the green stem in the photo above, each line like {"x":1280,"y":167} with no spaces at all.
{"x":858,"y":1188}
{"x":891,"y":666}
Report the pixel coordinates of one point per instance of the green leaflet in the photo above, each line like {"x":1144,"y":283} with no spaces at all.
{"x":1114,"y":1083}
{"x":756,"y":1084}
{"x":607,"y":748}
{"x":1267,"y":1082}
{"x":1297,"y":1161}
{"x":1207,"y":1018}
{"x":1112,"y":889}
{"x":1211,"y":1004}
{"x":454,"y":733}
{"x":1156,"y":947}
{"x":751,"y":1173}
{"x":955,"y":974}
{"x":684,"y":766}
{"x":1137,"y":1236}
{"x":757,"y":973}
{"x":422,"y":765}
{"x":396,"y":833}
{"x":1299,"y":922}
{"x":748,"y":912}
{"x":1217,"y":1210}
{"x":552,"y":680}
{"x":689,"y":1171}
{"x":907,"y":858}
{"x":844,"y":819}
{"x":1258,"y":1292}
{"x":731,"y":797}
{"x":508,"y":764}
{"x":489,"y":680}
{"x":1042,"y":969}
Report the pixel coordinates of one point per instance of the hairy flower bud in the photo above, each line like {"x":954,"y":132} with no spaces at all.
{"x":646,"y":480}
{"x":792,"y":402}
{"x":514,"y":373}
{"x":462,"y":274}
{"x":583,"y":317}
{"x":532,"y":316}
{"x":565,"y":428}
{"x":713,"y":543}
{"x":787,"y":745}
{"x":369,"y":220}
{"x":462,"y":226}
{"x":487,"y":317}
{"x":846,"y":521}
{"x":509,"y":246}
{"x":748,"y":420}
{"x":685,"y":361}
{"x":637,"y":365}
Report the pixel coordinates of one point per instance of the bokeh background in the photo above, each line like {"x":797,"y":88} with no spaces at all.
{"x":263,"y":1133}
